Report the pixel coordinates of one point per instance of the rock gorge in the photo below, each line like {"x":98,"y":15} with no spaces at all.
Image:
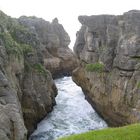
{"x":58,"y":58}
{"x":30,"y":47}
{"x":108,"y":48}
{"x":33,"y":50}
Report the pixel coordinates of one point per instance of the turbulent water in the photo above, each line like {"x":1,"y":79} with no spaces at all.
{"x":72,"y":114}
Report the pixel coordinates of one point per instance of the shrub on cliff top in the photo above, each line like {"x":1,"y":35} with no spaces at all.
{"x":96,"y":67}
{"x":12,"y":47}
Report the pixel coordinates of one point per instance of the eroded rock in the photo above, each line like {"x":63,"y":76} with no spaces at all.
{"x":58,"y":58}
{"x":27,"y":90}
{"x":112,"y":41}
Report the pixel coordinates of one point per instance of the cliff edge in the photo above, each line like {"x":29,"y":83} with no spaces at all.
{"x":29,"y":48}
{"x":58,"y":57}
{"x":108,"y":48}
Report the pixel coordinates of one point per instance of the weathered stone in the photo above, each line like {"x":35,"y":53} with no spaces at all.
{"x":55,"y":41}
{"x":29,"y":46}
{"x":11,"y":121}
{"x":38,"y":97}
{"x":27,"y":90}
{"x":114,"y":42}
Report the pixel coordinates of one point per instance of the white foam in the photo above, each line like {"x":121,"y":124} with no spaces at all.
{"x":72,"y":114}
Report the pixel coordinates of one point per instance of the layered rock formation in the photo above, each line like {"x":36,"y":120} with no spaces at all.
{"x":27,"y":90}
{"x":58,"y":58}
{"x":108,"y":48}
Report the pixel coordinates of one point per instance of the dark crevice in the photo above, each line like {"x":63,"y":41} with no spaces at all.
{"x":127,"y":70}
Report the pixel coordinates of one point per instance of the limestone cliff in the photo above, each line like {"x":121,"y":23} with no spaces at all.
{"x":58,"y":58}
{"x":108,"y":48}
{"x":28,"y":47}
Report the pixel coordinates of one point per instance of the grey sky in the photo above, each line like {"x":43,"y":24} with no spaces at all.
{"x":66,"y":11}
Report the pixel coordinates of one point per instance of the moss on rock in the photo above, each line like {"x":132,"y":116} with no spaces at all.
{"x":96,"y":67}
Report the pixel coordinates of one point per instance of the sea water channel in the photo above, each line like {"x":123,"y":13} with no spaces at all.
{"x":72,"y":114}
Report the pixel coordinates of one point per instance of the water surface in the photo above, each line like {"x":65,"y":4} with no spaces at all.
{"x":72,"y":114}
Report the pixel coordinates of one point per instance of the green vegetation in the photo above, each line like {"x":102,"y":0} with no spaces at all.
{"x":40,"y":68}
{"x":138,"y":85}
{"x":20,"y":34}
{"x":96,"y":67}
{"x":36,"y":67}
{"x":12,"y":47}
{"x":103,"y":48}
{"x":16,"y":38}
{"x":136,"y":58}
{"x":27,"y":66}
{"x":18,"y":41}
{"x":26,"y":49}
{"x":4,"y":19}
{"x":131,"y":132}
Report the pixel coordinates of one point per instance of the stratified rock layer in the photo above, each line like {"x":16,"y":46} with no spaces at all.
{"x":28,"y":47}
{"x":114,"y":43}
{"x":58,"y":58}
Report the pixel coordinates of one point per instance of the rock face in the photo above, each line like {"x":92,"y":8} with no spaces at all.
{"x":58,"y":58}
{"x":27,"y":90}
{"x":108,"y":48}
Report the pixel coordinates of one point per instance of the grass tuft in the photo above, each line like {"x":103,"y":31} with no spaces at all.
{"x":138,"y":85}
{"x":96,"y":67}
{"x":130,"y":132}
{"x":40,"y":68}
{"x":12,"y":47}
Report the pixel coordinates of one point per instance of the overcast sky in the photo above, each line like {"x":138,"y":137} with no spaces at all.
{"x":66,"y":11}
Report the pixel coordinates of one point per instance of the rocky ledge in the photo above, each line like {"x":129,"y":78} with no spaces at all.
{"x":108,"y":48}
{"x":58,"y":58}
{"x":29,"y":47}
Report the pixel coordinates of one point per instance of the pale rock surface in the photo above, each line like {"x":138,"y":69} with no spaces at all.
{"x":113,"y":41}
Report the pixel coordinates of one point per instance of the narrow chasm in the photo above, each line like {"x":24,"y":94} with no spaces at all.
{"x":72,"y":114}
